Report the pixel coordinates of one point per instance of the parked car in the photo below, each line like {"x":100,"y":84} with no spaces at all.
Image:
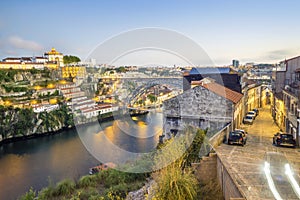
{"x":251,"y":113}
{"x":256,"y":111}
{"x":237,"y":137}
{"x":248,"y":119}
{"x":242,"y":131}
{"x":284,"y":139}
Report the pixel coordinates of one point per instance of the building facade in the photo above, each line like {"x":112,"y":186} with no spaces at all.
{"x":73,"y":71}
{"x":207,"y":106}
{"x":51,"y":60}
{"x":286,"y":78}
{"x":235,"y":63}
{"x":55,"y":56}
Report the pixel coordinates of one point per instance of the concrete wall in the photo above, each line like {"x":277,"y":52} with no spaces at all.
{"x":227,"y":183}
{"x":206,"y":170}
{"x":212,"y":168}
{"x":220,"y":137}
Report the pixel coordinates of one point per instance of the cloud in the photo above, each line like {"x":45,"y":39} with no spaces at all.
{"x":19,"y":43}
{"x":279,"y":54}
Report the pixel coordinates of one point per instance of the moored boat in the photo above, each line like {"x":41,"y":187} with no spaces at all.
{"x":98,"y":168}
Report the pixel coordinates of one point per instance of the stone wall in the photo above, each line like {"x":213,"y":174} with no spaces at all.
{"x":200,"y":106}
{"x":206,"y":170}
{"x":227,"y":183}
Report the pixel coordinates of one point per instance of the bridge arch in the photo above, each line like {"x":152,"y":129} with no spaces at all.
{"x":149,"y":83}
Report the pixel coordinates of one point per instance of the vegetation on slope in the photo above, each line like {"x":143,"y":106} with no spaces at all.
{"x":175,"y":181}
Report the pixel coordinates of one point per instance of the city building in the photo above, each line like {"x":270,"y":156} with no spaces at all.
{"x":37,"y":108}
{"x":252,"y":95}
{"x":55,"y":56}
{"x":21,"y":65}
{"x":207,"y":106}
{"x":73,"y":71}
{"x":51,"y":60}
{"x":286,"y":78}
{"x":222,"y":75}
{"x":235,"y":63}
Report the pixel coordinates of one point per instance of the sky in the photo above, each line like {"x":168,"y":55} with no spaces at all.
{"x":260,"y":31}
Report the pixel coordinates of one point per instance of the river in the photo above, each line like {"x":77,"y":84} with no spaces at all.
{"x":32,"y":163}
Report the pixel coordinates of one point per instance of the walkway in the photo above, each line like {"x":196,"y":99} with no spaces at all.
{"x":246,"y":164}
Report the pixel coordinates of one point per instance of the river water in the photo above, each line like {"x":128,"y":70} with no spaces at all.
{"x":32,"y":163}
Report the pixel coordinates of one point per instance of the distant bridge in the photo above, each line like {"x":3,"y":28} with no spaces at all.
{"x":151,"y":82}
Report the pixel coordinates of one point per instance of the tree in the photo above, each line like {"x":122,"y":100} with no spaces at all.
{"x":71,"y":59}
{"x":121,"y":69}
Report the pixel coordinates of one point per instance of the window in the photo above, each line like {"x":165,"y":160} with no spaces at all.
{"x":297,"y":76}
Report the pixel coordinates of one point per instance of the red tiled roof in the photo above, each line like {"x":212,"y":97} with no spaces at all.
{"x":104,"y":106}
{"x":220,"y":90}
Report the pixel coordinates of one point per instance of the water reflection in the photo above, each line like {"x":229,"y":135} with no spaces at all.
{"x":30,"y":163}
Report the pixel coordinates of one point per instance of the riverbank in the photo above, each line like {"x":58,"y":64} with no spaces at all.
{"x":114,"y":184}
{"x":37,"y":135}
{"x":33,"y":136}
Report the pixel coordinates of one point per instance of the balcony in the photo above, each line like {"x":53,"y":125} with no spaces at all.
{"x":293,"y":89}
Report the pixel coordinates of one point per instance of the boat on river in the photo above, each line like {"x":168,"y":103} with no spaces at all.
{"x":98,"y":168}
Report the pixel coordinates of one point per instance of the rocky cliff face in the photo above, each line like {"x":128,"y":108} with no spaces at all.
{"x":24,"y":122}
{"x":146,"y":192}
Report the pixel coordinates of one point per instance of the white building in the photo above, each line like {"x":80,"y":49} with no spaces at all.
{"x":39,"y":59}
{"x":47,"y":107}
{"x":90,"y":112}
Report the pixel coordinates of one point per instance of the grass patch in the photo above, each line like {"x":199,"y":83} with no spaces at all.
{"x":210,"y":191}
{"x":87,"y":181}
{"x":64,"y":188}
{"x":109,"y":184}
{"x":30,"y":195}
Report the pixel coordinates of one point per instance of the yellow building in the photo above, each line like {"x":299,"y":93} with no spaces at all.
{"x":73,"y":71}
{"x":21,"y":65}
{"x":55,"y":56}
{"x":280,"y":111}
{"x":52,"y":65}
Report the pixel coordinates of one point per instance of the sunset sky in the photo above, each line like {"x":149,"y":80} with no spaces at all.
{"x":250,"y":31}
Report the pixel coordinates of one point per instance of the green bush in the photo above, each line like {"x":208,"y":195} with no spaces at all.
{"x":30,"y":195}
{"x":117,"y":192}
{"x":87,"y":181}
{"x":46,"y":193}
{"x":65,"y":187}
{"x":86,"y":194}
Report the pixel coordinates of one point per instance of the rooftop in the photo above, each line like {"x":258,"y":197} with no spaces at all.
{"x":209,"y":70}
{"x":53,"y":52}
{"x":225,"y":92}
{"x":292,"y":58}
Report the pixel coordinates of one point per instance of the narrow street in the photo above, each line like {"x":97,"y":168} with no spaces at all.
{"x":246,"y":164}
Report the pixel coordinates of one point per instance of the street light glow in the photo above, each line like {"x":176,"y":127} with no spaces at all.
{"x":271,"y":182}
{"x":292,"y":180}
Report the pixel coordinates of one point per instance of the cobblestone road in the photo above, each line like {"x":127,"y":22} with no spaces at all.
{"x":246,"y":163}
